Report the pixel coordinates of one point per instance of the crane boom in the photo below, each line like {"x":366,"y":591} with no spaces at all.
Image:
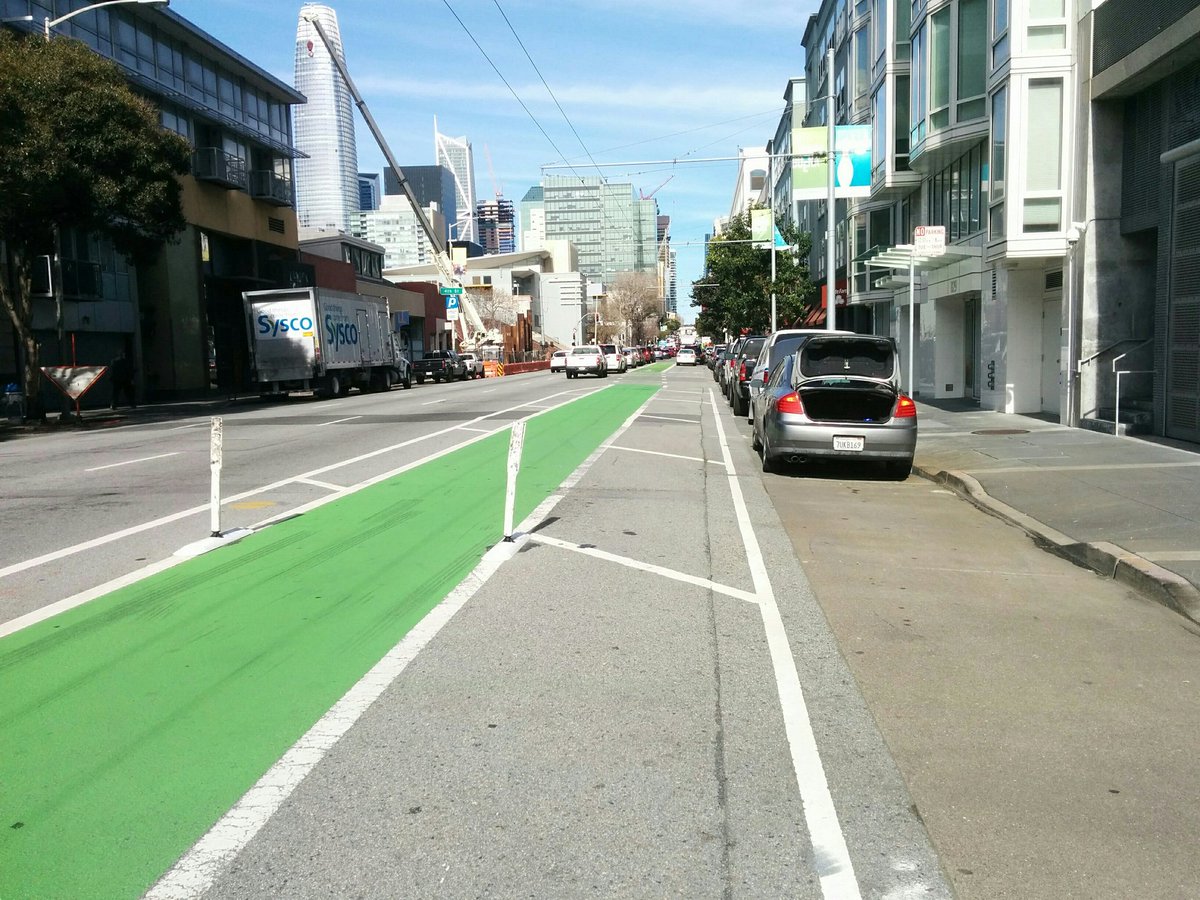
{"x":441,"y":258}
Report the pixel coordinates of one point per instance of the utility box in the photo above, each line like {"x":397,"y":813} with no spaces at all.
{"x":14,"y":405}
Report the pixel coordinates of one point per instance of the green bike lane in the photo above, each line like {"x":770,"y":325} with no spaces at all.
{"x":133,"y":723}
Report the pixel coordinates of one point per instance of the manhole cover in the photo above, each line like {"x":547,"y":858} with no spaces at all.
{"x":1001,"y":431}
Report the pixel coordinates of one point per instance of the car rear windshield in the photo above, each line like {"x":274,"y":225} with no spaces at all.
{"x":861,"y":356}
{"x":752,"y":347}
{"x":585,"y":351}
{"x":609,"y":348}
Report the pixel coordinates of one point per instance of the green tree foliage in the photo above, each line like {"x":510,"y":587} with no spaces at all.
{"x":78,"y":149}
{"x":735,"y":292}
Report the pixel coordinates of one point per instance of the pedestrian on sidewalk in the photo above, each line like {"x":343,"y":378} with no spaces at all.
{"x":120,"y":375}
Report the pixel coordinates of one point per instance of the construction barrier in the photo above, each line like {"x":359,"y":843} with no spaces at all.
{"x":518,"y":368}
{"x":493,"y":368}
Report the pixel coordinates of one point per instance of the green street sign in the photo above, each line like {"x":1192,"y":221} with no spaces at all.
{"x":452,"y":289}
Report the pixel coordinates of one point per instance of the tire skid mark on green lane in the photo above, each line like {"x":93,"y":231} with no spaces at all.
{"x":132,"y":723}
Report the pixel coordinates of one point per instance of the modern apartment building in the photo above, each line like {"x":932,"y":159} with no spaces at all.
{"x":182,"y":315}
{"x":1057,"y":146}
{"x":494,"y":220}
{"x":327,"y":172}
{"x":456,"y":155}
{"x":368,"y":190}
{"x":396,"y":228}
{"x":612,"y":231}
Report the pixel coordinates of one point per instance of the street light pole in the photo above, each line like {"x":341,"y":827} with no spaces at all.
{"x":831,"y":202}
{"x":49,"y":23}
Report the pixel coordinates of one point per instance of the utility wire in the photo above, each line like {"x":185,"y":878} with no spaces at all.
{"x":499,"y":74}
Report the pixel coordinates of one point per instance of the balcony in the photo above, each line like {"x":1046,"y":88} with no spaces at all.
{"x":270,"y":187}
{"x":214,"y":165}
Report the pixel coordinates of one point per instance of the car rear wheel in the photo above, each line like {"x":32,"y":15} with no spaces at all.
{"x":739,"y":404}
{"x":764,"y":453}
{"x":754,"y":440}
{"x":898,"y":469}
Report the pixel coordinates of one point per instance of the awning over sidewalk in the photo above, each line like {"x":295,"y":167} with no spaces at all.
{"x":902,"y":255}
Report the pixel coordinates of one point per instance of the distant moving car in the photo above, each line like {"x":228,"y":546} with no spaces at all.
{"x":586,"y":360}
{"x":837,"y":397}
{"x":685,"y":357}
{"x":558,"y":362}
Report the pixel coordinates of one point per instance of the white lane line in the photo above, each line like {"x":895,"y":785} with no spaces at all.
{"x":275,"y":485}
{"x":673,"y":400}
{"x":182,"y":427}
{"x":669,"y":419}
{"x":831,"y":857}
{"x":674,"y":575}
{"x":1099,"y":467}
{"x":668,"y":455}
{"x":339,"y":421}
{"x":489,"y":391}
{"x":130,"y":462}
{"x":480,"y":430}
{"x":198,"y":869}
{"x":321,"y":484}
{"x":431,"y":402}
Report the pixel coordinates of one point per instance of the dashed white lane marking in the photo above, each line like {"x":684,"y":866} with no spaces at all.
{"x":669,"y":419}
{"x":629,"y":563}
{"x":480,"y":430}
{"x":200,"y":867}
{"x":130,"y":462}
{"x":321,"y":484}
{"x":668,"y":455}
{"x":56,"y":555}
{"x":182,"y":427}
{"x":673,"y":400}
{"x":339,"y":421}
{"x":431,"y":402}
{"x":831,"y":857}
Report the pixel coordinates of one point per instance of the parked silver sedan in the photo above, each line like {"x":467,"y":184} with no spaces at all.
{"x":837,"y":397}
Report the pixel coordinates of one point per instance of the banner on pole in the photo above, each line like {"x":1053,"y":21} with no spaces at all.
{"x":810,"y":169}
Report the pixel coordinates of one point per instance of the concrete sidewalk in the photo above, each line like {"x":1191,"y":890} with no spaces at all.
{"x":1128,"y":507}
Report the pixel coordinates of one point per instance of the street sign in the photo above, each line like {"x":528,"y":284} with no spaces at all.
{"x":450,"y":289}
{"x":74,"y":381}
{"x":929,"y":240}
{"x":452,"y":307}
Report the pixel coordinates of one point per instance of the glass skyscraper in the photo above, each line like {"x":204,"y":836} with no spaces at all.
{"x":327,"y":181}
{"x":455,"y":154}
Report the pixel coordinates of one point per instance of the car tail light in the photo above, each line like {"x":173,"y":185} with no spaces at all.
{"x":790,"y":404}
{"x":766,"y":377}
{"x":742,"y":372}
{"x":905,"y":408}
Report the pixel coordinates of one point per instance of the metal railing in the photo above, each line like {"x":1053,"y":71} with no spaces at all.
{"x":271,"y":187}
{"x":1118,"y":373}
{"x":214,"y":164}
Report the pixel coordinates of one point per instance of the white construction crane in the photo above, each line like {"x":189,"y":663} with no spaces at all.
{"x":473,"y":331}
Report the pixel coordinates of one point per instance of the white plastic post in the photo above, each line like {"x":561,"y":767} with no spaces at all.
{"x":515,"y":444}
{"x":216,"y":442}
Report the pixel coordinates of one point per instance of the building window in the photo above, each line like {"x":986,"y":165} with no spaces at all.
{"x":903,"y":26}
{"x":902,"y":131}
{"x":996,"y":189}
{"x":862,"y":68}
{"x":879,"y":130}
{"x":880,"y":21}
{"x":917,"y":93}
{"x":972,"y":60}
{"x":1043,"y":157}
{"x":939,"y":69}
{"x":999,"y":33}
{"x":1047,"y":31}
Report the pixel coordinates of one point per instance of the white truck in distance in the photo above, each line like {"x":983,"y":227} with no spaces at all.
{"x":314,"y":339}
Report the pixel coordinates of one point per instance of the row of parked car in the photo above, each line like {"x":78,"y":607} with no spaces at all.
{"x":600,"y":359}
{"x":813,"y":394}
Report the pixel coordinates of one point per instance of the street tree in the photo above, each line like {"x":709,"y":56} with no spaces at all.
{"x":78,"y":150}
{"x":495,"y":307}
{"x":633,"y":305}
{"x":735,"y":291}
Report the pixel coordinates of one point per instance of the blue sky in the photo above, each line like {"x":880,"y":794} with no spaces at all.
{"x":639,"y":80}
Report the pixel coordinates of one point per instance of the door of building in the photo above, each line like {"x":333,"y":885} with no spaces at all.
{"x":972,"y":347}
{"x":1182,"y":413}
{"x":1051,"y":355}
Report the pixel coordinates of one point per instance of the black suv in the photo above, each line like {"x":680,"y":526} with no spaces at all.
{"x":741,"y":368}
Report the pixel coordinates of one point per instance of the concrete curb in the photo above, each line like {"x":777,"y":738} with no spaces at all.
{"x":1148,"y":579}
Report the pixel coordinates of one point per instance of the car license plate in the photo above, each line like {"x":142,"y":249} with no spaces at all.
{"x":847,"y":443}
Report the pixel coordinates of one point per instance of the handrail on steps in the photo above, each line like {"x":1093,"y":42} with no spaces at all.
{"x":1079,"y":365}
{"x":1119,"y":373}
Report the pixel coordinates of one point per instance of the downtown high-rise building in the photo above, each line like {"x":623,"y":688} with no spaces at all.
{"x":455,"y":154}
{"x":327,"y":196}
{"x":612,"y":230}
{"x":494,"y":220}
{"x":368,"y":190}
{"x":432,"y":186}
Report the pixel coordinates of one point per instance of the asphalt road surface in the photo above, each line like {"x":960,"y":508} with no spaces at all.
{"x":683,"y":679}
